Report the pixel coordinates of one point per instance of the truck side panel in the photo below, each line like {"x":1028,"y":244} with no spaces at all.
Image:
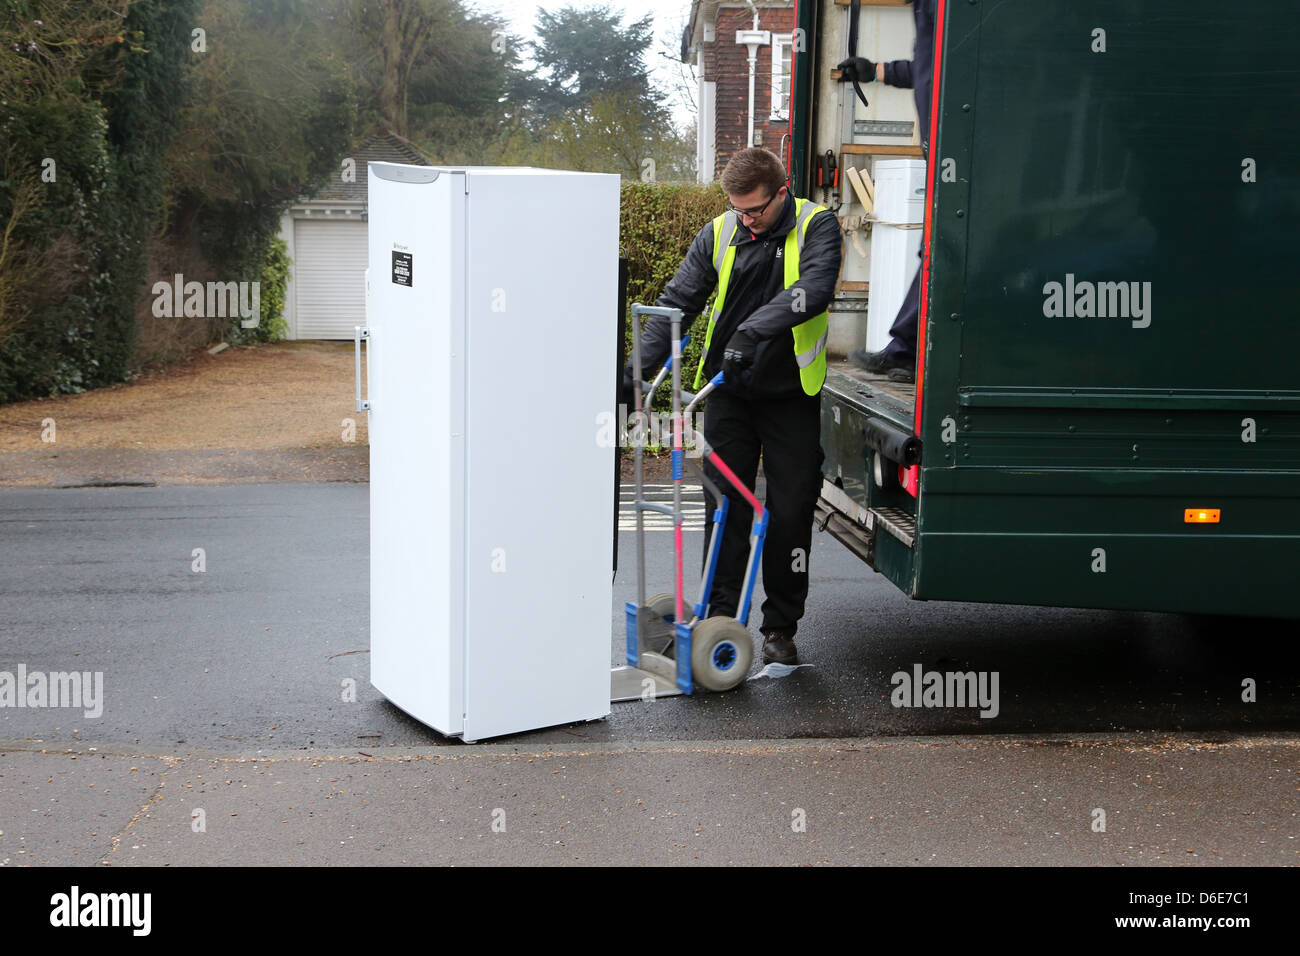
{"x":1111,"y":336}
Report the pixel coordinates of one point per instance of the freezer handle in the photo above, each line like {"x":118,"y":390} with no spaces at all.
{"x":363,"y":404}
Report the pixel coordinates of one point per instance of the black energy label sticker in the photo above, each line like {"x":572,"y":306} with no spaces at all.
{"x":402,"y":268}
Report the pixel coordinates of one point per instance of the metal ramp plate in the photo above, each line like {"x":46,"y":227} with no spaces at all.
{"x":629,"y":683}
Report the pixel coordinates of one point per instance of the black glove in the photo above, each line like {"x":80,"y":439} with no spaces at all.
{"x":739,"y":356}
{"x":857,"y":70}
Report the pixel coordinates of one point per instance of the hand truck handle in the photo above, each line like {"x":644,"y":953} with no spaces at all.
{"x":659,"y":310}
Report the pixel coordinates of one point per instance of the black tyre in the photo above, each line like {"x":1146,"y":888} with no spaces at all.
{"x":721,"y":653}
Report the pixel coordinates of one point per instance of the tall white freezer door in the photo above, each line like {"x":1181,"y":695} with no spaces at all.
{"x":417,"y":452}
{"x":494,"y":330}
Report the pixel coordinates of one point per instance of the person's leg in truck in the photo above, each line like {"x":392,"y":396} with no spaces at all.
{"x":898,"y":358}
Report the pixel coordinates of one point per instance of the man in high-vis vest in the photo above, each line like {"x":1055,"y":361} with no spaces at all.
{"x":773,"y":261}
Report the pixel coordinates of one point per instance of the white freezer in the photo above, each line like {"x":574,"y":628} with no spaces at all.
{"x":895,"y":240}
{"x":493,"y":332}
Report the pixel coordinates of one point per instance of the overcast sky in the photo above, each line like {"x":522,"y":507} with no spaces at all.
{"x":669,"y":20}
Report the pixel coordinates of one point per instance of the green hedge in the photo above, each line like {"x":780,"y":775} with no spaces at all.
{"x":105,"y":119}
{"x":150,"y":140}
{"x":657,"y":224}
{"x":58,"y":286}
{"x":274,"y":279}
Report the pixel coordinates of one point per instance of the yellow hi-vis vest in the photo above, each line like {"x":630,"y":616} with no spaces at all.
{"x":809,"y":336}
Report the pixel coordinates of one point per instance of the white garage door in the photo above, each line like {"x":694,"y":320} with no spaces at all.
{"x":329,"y":278}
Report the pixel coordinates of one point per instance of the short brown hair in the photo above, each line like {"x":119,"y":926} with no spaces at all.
{"x":750,"y":169}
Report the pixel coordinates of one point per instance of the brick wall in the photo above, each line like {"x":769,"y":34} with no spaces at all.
{"x":726,"y":62}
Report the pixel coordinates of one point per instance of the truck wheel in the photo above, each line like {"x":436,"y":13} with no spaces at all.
{"x":884,"y":472}
{"x":721,"y":653}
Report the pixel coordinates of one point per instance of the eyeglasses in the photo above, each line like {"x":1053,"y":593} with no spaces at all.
{"x":753,"y":213}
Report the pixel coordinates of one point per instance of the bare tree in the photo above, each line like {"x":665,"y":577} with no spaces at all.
{"x":683,"y":80}
{"x":398,"y":31}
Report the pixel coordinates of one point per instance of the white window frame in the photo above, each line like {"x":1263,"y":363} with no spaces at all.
{"x":780,"y":42}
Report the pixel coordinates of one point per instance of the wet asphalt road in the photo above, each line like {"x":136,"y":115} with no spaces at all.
{"x":253,"y":653}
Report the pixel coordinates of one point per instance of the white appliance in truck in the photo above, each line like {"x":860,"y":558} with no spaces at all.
{"x":895,"y":241}
{"x":492,"y":335}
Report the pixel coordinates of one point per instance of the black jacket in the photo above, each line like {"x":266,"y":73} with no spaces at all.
{"x":917,"y":74}
{"x":756,"y":301}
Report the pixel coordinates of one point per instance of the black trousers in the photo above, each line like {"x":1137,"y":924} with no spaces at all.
{"x":786,"y":433}
{"x":906,"y":328}
{"x":906,"y":325}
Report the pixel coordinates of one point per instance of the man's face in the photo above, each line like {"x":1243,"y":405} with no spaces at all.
{"x":759,"y":222}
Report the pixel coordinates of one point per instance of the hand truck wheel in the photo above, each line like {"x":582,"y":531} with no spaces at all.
{"x":721,"y":653}
{"x":663,"y":608}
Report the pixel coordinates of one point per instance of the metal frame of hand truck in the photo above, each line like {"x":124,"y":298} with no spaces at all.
{"x":652,"y":672}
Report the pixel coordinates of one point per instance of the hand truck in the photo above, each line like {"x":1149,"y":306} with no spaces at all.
{"x":665,"y":647}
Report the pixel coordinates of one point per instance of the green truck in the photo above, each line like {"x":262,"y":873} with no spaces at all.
{"x":1106,"y":411}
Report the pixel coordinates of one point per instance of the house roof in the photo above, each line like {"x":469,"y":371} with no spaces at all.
{"x":381,"y":146}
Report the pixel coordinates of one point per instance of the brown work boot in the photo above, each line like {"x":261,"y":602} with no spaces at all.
{"x":778,"y":647}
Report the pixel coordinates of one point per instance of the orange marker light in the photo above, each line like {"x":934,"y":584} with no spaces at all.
{"x":1201,"y":516}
